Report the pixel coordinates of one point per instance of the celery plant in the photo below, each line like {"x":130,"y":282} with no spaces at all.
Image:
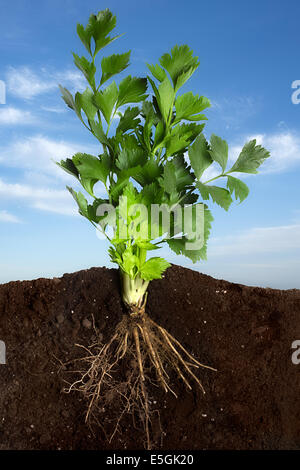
{"x":152,"y":153}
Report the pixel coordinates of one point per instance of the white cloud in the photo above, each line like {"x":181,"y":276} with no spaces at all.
{"x":234,"y":110}
{"x":59,"y":201}
{"x":259,"y":240}
{"x":43,"y":183}
{"x":26,"y":83}
{"x":36,"y":154}
{"x":284,"y":148}
{"x":72,"y":78}
{"x":261,"y":256}
{"x":53,"y":109}
{"x":10,"y":115}
{"x":7,"y":217}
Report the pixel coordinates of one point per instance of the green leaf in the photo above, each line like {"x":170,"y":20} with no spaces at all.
{"x":67,"y":97}
{"x":98,"y":28}
{"x":147,"y":132}
{"x":85,"y":37}
{"x":148,"y":173}
{"x":153,"y":268}
{"x":98,"y":132}
{"x":128,"y":120}
{"x":92,"y":211}
{"x":183,"y":174}
{"x":69,"y":167}
{"x":130,"y":263}
{"x":132,"y":90}
{"x":157,"y":72}
{"x":145,"y":245}
{"x":179,"y":62}
{"x":151,"y":194}
{"x":159,"y":134}
{"x":166,"y":98}
{"x":238,"y":187}
{"x":184,"y":76}
{"x":178,"y":245}
{"x":199,"y":156}
{"x":113,"y":64}
{"x":188,"y":106}
{"x":131,"y":194}
{"x":103,"y":24}
{"x":91,"y":167}
{"x":156,"y":92}
{"x":105,"y":100}
{"x":84,"y":101}
{"x":219,"y":195}
{"x":148,"y":111}
{"x":123,"y":176}
{"x":87,"y":68}
{"x":250,"y":158}
{"x":81,"y":202}
{"x":130,"y":158}
{"x":176,"y":175}
{"x":168,"y":180}
{"x":219,"y":151}
{"x":88,"y":184}
{"x":181,"y":136}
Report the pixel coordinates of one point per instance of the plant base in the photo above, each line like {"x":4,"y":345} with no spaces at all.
{"x":149,"y":347}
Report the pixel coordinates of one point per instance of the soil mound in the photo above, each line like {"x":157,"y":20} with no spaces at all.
{"x":252,"y":402}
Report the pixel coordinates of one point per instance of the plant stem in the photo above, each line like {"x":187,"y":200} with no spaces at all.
{"x":215,"y":178}
{"x":133,"y":290}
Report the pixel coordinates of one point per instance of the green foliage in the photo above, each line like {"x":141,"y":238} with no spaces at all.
{"x":219,"y":151}
{"x":105,"y":100}
{"x":98,"y":29}
{"x":152,"y":153}
{"x":113,"y":65}
{"x":132,"y":90}
{"x":219,"y":195}
{"x":89,"y":166}
{"x":250,"y":158}
{"x":179,"y":245}
{"x":180,"y":64}
{"x":153,"y":268}
{"x":87,"y":68}
{"x":238,"y":187}
{"x":199,"y":156}
{"x":188,"y":106}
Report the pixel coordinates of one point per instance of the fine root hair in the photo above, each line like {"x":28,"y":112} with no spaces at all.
{"x":118,"y":372}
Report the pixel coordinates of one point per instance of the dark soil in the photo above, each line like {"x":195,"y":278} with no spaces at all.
{"x":252,"y":402}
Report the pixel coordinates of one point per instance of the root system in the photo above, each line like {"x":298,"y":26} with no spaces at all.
{"x":145,"y":347}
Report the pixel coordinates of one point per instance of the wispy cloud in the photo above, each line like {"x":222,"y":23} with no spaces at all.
{"x":260,"y":256}
{"x":283,"y":146}
{"x":26,"y":83}
{"x":42,"y":184}
{"x":258,"y":240}
{"x":7,"y":217}
{"x":10,"y":115}
{"x":59,"y":201}
{"x":36,"y":154}
{"x":53,"y":109}
{"x":234,"y":110}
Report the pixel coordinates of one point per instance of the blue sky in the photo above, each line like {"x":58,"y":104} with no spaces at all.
{"x":249,"y":58}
